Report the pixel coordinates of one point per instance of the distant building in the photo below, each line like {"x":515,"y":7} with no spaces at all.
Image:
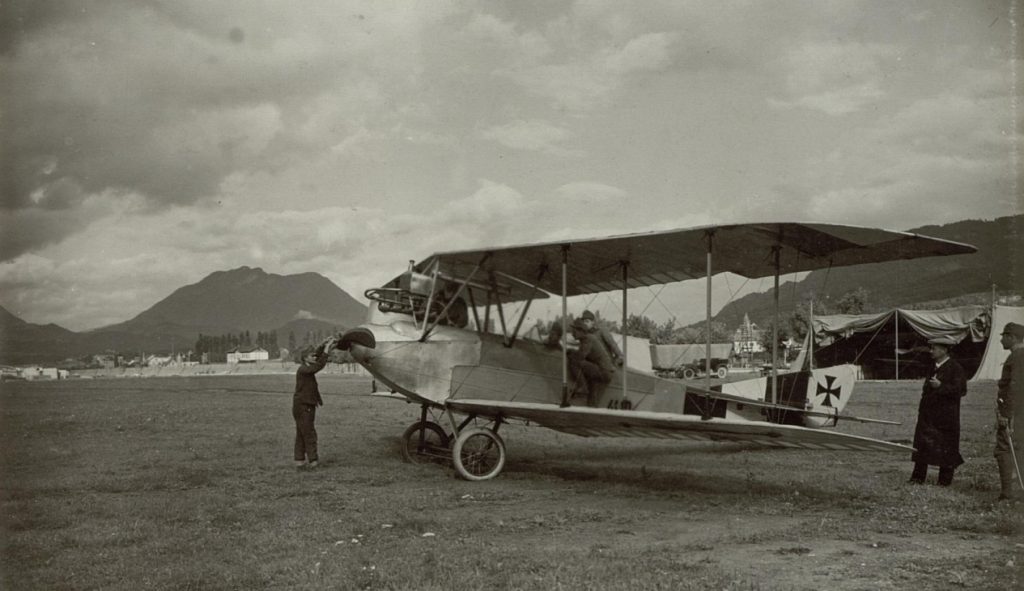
{"x":747,"y":339}
{"x":106,"y":360}
{"x":42,"y":373}
{"x":158,"y":361}
{"x":247,"y":355}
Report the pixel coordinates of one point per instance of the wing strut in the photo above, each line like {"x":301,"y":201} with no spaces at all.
{"x":429,"y":327}
{"x":519,"y":324}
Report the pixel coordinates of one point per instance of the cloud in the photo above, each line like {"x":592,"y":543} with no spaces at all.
{"x":590,"y":192}
{"x":648,"y":52}
{"x":835,"y":78}
{"x":939,"y":154}
{"x":580,"y":64}
{"x":356,"y":247}
{"x":534,"y":136}
{"x":247,"y":87}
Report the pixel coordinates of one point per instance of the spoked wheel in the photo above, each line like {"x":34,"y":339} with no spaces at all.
{"x":722,"y":372}
{"x":424,"y":442}
{"x":478,"y":454}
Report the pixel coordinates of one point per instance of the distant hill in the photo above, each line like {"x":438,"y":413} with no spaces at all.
{"x":899,"y":283}
{"x":23,"y":342}
{"x":243,"y":299}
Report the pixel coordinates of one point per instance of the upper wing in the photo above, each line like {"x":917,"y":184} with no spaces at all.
{"x":591,"y":422}
{"x":664,"y":257}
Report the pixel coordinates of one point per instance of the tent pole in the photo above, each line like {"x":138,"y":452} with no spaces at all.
{"x":625,"y":344}
{"x":707,"y":344}
{"x":775,"y":329}
{"x":896,"y":345}
{"x":565,"y":327}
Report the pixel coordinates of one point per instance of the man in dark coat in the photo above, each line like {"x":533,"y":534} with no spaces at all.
{"x":304,"y":402}
{"x":937,"y":436}
{"x":1010,"y":412}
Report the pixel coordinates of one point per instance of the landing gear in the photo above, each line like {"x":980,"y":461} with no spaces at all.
{"x":424,"y":442}
{"x":478,"y":454}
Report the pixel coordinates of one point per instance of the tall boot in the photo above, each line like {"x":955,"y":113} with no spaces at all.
{"x":1007,"y":476}
{"x":919,"y":473}
{"x":946,"y":475}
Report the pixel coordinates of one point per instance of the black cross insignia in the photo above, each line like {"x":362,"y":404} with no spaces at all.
{"x":829,"y":391}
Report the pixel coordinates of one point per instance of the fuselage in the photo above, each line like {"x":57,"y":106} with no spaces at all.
{"x":464,"y":364}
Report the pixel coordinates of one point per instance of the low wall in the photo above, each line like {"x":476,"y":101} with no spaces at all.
{"x":216,"y":369}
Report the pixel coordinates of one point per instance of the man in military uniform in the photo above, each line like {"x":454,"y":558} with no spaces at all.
{"x":1010,"y":411}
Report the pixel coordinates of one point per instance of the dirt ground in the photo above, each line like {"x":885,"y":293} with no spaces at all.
{"x":188,"y":483}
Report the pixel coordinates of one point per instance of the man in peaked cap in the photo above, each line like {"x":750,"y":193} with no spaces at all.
{"x":1010,"y":411}
{"x":937,"y":435}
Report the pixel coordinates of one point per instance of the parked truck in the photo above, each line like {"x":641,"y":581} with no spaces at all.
{"x":689,"y":361}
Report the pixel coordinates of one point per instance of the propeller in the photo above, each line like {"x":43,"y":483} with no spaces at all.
{"x":356,"y":336}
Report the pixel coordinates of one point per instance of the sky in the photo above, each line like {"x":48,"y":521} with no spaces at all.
{"x":147,"y":144}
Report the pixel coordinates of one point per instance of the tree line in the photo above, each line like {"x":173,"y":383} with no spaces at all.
{"x":215,"y":348}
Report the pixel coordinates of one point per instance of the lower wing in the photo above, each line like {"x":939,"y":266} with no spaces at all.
{"x":592,"y":422}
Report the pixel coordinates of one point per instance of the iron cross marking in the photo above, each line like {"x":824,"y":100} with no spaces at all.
{"x":829,"y":391}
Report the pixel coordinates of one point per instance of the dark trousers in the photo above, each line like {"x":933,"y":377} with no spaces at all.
{"x":590,"y":375}
{"x":305,"y":432}
{"x":921,"y":471}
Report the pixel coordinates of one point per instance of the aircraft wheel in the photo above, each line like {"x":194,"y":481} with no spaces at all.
{"x":689,"y":374}
{"x":722,"y":372}
{"x":478,"y":454}
{"x":434,"y":447}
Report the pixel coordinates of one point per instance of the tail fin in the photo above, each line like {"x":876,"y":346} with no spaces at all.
{"x":828,"y":391}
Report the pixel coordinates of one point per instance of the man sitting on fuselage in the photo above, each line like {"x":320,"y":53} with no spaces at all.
{"x":603,"y":336}
{"x":590,"y":365}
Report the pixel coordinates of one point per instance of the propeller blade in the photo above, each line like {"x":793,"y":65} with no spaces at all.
{"x":357,"y":336}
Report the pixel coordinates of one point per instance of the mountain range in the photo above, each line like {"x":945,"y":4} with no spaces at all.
{"x":249,"y":299}
{"x":243,"y":299}
{"x":997,"y":265}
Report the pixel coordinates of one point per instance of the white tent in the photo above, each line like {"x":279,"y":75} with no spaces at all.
{"x":636,"y":350}
{"x":980,"y":325}
{"x":992,"y":361}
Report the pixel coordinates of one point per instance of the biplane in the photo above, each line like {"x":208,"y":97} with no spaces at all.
{"x":464,"y":377}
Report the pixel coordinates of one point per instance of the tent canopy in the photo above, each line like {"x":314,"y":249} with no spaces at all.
{"x":883,"y":337}
{"x":959,"y":323}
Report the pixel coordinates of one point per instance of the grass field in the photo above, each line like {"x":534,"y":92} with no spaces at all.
{"x":187,"y":483}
